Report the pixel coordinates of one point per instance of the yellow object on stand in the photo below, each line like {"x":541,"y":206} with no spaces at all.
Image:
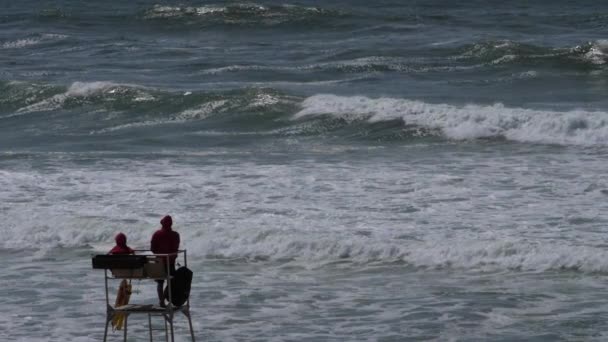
{"x":122,"y":298}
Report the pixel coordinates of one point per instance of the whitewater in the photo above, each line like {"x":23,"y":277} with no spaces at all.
{"x":337,"y":171}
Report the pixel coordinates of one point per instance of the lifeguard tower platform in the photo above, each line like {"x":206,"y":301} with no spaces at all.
{"x":144,"y":265}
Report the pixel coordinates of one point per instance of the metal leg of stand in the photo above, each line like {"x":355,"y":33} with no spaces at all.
{"x":187,"y":313}
{"x":126,"y":324}
{"x":166,"y":328}
{"x":150,"y":325}
{"x":171,"y":328}
{"x":105,"y":331}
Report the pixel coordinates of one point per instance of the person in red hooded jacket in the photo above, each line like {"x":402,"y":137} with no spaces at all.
{"x":121,"y":245}
{"x":165,"y":241}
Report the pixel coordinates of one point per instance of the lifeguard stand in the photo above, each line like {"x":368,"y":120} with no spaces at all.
{"x":142,"y":265}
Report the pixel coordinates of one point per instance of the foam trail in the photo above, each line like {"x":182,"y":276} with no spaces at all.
{"x":27,"y":42}
{"x":576,"y":127}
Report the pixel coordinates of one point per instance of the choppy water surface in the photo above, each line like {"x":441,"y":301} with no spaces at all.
{"x":338,"y":172}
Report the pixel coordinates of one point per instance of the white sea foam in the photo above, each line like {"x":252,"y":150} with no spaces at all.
{"x":159,"y":11}
{"x":201,"y":112}
{"x":163,"y":11}
{"x":373,"y":239}
{"x":312,"y":248}
{"x":598,"y":53}
{"x":263,"y":100}
{"x":471,"y":121}
{"x":20,"y":43}
{"x":289,"y":212}
{"x":484,"y":251}
{"x":89,"y":88}
{"x":25,"y":42}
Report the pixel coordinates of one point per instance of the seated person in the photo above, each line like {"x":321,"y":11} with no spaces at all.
{"x":121,"y":245}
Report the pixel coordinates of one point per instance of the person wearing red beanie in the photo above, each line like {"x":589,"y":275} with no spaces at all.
{"x":121,"y":245}
{"x":165,"y":241}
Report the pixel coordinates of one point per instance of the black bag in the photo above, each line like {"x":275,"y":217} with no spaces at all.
{"x":180,"y":286}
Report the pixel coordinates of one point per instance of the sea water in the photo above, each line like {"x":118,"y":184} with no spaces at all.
{"x":338,"y":171}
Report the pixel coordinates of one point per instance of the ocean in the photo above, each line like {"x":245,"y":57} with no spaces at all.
{"x":338,"y":171}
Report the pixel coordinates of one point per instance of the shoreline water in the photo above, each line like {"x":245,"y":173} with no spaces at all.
{"x":330,"y":302}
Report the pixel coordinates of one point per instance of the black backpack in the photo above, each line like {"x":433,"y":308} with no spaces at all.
{"x":180,"y":286}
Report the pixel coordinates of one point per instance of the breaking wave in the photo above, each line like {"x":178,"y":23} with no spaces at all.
{"x":239,"y":14}
{"x":98,"y":108}
{"x":479,"y":56}
{"x":32,"y":40}
{"x":468,"y":122}
{"x":503,"y":253}
{"x":114,"y":103}
{"x":278,"y":245}
{"x":507,"y":52}
{"x":596,"y":53}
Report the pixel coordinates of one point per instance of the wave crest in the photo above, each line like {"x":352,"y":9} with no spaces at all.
{"x":596,"y":52}
{"x":502,"y":254}
{"x":516,"y":53}
{"x":107,"y":106}
{"x":471,"y":121}
{"x":473,"y":252}
{"x":32,"y":40}
{"x":239,"y":14}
